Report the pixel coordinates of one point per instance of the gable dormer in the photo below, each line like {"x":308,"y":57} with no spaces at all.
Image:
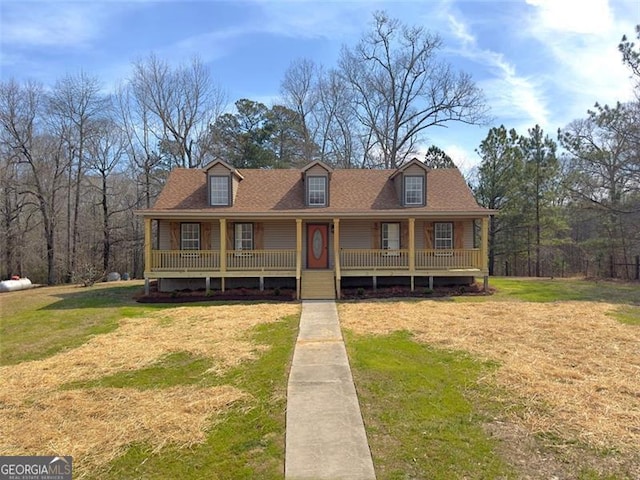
{"x":410,"y":182}
{"x":316,"y":178}
{"x":222,"y":183}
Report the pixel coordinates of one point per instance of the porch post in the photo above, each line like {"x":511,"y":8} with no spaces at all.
{"x":484,"y":252}
{"x":336,"y":254}
{"x":298,"y":255}
{"x":223,"y":251}
{"x":147,"y":245}
{"x":412,"y":250}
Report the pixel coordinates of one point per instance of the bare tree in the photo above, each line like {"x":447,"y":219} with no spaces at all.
{"x":402,"y":88}
{"x":300,"y":93}
{"x":184,"y":99}
{"x":43,"y":155}
{"x":73,"y":105}
{"x":105,"y":155}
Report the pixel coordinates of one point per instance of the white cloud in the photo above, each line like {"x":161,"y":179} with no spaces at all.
{"x":510,"y":95}
{"x":574,"y":16}
{"x":582,"y":38}
{"x":44,"y":24}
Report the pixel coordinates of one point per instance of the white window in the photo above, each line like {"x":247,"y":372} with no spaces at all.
{"x":444,"y":235}
{"x":243,"y":236}
{"x":414,"y":190}
{"x":317,"y":191}
{"x":190,"y":236}
{"x":219,"y":190}
{"x":391,"y":236}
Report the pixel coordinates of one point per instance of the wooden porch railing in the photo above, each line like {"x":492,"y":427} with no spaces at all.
{"x":447,"y":259}
{"x":170,"y":260}
{"x":261,"y":260}
{"x":199,"y":260}
{"x":365,"y":259}
{"x":361,"y":259}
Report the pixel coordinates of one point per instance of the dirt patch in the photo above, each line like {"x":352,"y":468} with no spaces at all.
{"x":95,"y":425}
{"x":574,"y":367}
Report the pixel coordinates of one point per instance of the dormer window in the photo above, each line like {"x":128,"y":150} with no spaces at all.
{"x":317,"y":191}
{"x":414,"y":190}
{"x":219,"y":189}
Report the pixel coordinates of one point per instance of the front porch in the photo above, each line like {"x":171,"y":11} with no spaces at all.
{"x":222,"y":263}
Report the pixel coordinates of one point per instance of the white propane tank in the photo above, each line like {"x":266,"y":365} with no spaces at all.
{"x":13,"y":285}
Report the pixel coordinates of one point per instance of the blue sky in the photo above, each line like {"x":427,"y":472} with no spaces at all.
{"x":537,"y":61}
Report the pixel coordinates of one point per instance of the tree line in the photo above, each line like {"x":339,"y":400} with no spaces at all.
{"x":76,"y":162}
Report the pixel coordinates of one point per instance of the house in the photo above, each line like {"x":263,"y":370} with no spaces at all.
{"x":316,"y":229}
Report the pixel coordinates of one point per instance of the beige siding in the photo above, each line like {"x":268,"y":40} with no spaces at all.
{"x":317,"y":171}
{"x":356,"y":234}
{"x":215,"y":235}
{"x":414,"y":170}
{"x":280,"y":235}
{"x":468,"y":234}
{"x":419,"y":232}
{"x":234,"y":188}
{"x":163,"y":233}
{"x":219,"y":169}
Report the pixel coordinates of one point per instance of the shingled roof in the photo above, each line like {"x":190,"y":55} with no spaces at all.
{"x":354,"y":191}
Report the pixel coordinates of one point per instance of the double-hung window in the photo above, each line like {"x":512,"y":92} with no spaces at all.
{"x":190,"y":236}
{"x":317,"y":191}
{"x":243,"y":236}
{"x":443,"y":236}
{"x":391,"y":236}
{"x":219,"y":188}
{"x":414,"y":190}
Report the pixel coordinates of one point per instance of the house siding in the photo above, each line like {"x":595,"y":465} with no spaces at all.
{"x":280,"y":235}
{"x":356,"y":234}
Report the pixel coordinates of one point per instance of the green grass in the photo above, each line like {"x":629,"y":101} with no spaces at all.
{"x":44,"y":321}
{"x":537,"y":290}
{"x":247,"y":442}
{"x":562,"y":290}
{"x":422,"y":410}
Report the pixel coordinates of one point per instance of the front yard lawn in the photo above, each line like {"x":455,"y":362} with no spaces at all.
{"x":549,"y":386}
{"x":145,"y":391}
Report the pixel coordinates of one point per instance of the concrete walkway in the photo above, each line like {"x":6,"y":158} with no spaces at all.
{"x":325,"y":435}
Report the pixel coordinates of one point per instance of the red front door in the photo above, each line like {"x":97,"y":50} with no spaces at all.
{"x":317,"y":246}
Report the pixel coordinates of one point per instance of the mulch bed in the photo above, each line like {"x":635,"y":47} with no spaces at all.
{"x":288,"y":295}
{"x":231,"y":295}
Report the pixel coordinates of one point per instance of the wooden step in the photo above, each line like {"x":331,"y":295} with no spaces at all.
{"x":318,"y":285}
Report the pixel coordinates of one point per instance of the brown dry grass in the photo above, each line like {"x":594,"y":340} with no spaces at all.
{"x":95,"y":425}
{"x":576,"y":369}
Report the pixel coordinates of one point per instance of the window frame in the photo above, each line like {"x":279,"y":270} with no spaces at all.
{"x":227,"y":183}
{"x":385,"y":238}
{"x":325,"y":195}
{"x":197,"y":238}
{"x":238,"y":227}
{"x":407,"y":190}
{"x":437,"y":239}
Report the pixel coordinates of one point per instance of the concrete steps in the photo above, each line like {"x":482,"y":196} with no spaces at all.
{"x":318,"y":285}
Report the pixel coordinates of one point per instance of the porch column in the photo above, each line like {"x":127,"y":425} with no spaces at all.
{"x":412,"y":250}
{"x":298,"y":255}
{"x":484,"y":252}
{"x":484,"y":247}
{"x":147,"y":245}
{"x":336,"y":253}
{"x":223,"y":251}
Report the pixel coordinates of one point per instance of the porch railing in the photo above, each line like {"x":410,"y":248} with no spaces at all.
{"x":184,"y":260}
{"x":447,"y":259}
{"x":367,"y":259}
{"x":261,"y":260}
{"x":361,"y":259}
